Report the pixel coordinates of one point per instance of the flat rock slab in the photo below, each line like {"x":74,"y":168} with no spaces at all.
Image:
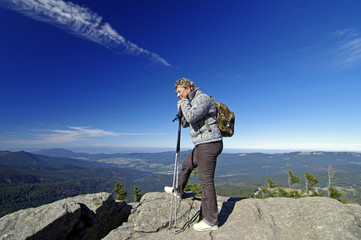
{"x":253,"y":219}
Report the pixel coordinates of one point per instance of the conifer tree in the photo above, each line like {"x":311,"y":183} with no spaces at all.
{"x":271,"y":183}
{"x":119,"y":191}
{"x":292,"y":179}
{"x":311,"y":181}
{"x":137,"y":194}
{"x":334,"y":193}
{"x":194,"y":187}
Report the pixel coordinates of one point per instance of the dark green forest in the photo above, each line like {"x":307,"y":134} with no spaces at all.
{"x":36,"y":183}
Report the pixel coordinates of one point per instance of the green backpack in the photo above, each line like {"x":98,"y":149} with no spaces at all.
{"x":225,"y":119}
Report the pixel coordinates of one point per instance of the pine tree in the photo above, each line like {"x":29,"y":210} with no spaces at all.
{"x":292,"y":179}
{"x":311,"y":181}
{"x":271,"y":183}
{"x":194,"y":187}
{"x":334,"y":193}
{"x":137,"y":194}
{"x":282,"y":192}
{"x":119,"y":191}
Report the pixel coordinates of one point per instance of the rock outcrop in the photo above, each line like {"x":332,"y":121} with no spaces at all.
{"x":98,"y":216}
{"x":90,"y":216}
{"x":271,"y":218}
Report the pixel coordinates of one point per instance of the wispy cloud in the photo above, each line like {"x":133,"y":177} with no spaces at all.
{"x":348,"y":53}
{"x":71,"y":134}
{"x":82,"y":22}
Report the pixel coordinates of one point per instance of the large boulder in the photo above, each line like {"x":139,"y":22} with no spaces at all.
{"x":51,"y":221}
{"x":286,"y":218}
{"x":153,"y":212}
{"x":151,"y":216}
{"x":90,"y":216}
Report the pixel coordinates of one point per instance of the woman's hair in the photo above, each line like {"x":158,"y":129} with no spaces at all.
{"x":184,"y":82}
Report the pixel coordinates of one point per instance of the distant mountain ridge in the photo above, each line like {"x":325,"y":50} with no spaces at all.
{"x":60,"y":152}
{"x":272,"y":164}
{"x":25,"y":159}
{"x":259,"y":164}
{"x":152,"y":157}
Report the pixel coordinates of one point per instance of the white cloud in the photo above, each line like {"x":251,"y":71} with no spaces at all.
{"x":347,"y":33}
{"x":348,"y":53}
{"x":82,"y":22}
{"x":72,"y":134}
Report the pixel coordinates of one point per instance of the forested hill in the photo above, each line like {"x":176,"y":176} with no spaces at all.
{"x":25,"y":160}
{"x":31,"y":180}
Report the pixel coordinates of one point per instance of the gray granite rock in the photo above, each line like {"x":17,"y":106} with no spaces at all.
{"x":272,"y":218}
{"x":285,"y":218}
{"x":90,"y":216}
{"x":98,"y":216}
{"x":51,"y":221}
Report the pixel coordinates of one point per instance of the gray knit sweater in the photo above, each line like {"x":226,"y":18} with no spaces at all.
{"x":196,"y":109}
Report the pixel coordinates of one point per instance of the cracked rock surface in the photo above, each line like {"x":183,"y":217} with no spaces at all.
{"x":271,"y":218}
{"x":98,"y":216}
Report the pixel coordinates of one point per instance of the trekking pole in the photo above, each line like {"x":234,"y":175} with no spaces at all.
{"x":175,"y":174}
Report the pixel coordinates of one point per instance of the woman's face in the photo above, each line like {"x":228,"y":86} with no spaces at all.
{"x":183,"y":92}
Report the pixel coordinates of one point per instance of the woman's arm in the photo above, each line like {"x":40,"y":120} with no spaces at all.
{"x":198,"y":109}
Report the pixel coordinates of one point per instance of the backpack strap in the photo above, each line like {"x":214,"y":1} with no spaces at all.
{"x":207,"y":125}
{"x":205,"y":120}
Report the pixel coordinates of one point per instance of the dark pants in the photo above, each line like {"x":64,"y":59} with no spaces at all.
{"x":204,"y":156}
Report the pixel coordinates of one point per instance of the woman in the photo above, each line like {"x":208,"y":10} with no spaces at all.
{"x":197,"y":109}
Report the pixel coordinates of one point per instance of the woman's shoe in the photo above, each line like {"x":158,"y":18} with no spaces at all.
{"x":203,"y":226}
{"x":170,"y":191}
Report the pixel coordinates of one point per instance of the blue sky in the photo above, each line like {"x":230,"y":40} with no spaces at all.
{"x":99,"y":75}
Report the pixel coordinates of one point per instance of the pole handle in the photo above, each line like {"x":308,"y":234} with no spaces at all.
{"x":179,"y":115}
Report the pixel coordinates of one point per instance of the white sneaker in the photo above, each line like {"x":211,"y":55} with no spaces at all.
{"x":170,"y":191}
{"x":203,"y":226}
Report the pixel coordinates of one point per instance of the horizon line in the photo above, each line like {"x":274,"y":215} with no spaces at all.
{"x":168,"y":149}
